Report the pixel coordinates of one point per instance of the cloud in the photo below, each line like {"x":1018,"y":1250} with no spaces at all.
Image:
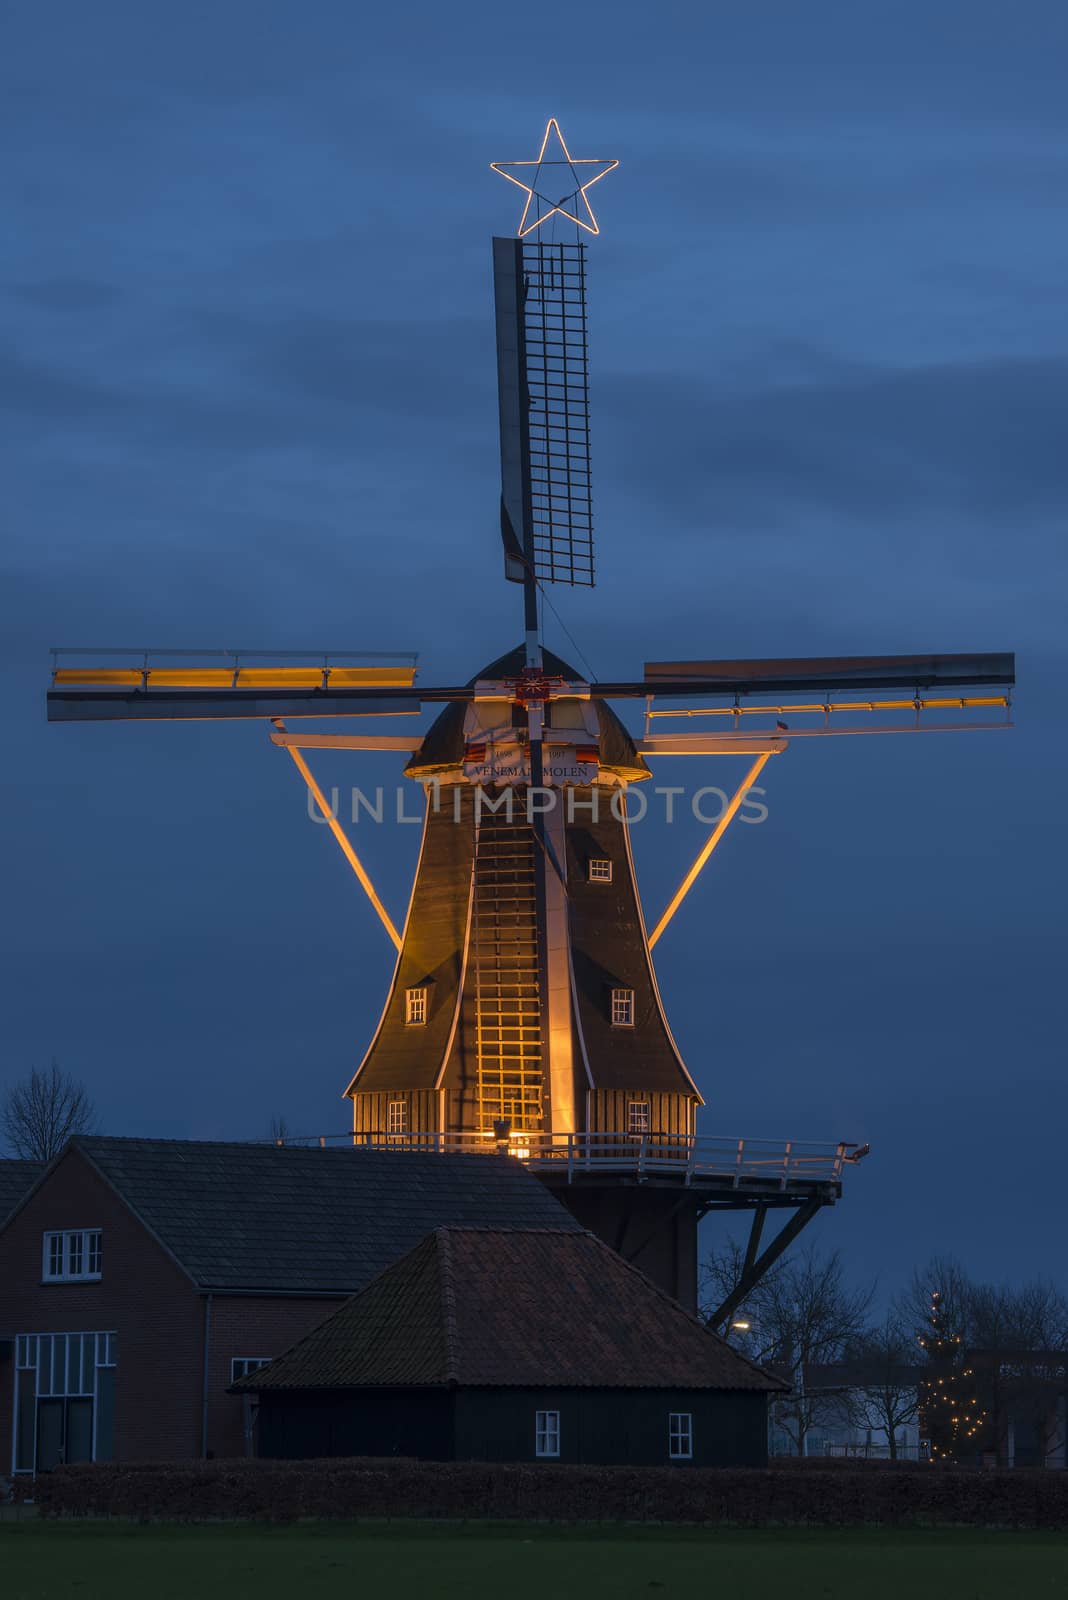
{"x":984,"y":438}
{"x":66,"y":294}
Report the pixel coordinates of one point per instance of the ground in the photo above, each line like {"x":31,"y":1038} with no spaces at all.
{"x":41,"y":1560}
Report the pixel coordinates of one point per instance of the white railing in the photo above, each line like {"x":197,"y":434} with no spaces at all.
{"x":654,"y":1154}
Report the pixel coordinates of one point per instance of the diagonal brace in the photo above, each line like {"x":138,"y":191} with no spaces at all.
{"x":709,"y":845}
{"x":754,"y":1270}
{"x":346,"y":846}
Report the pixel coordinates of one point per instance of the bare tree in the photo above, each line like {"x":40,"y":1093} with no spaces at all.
{"x":1008,"y":1338}
{"x":42,"y":1112}
{"x":279,"y":1129}
{"x":887,"y":1398}
{"x":945,"y":1276}
{"x":801,"y":1314}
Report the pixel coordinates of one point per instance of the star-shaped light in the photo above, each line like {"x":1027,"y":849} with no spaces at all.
{"x":556,"y":183}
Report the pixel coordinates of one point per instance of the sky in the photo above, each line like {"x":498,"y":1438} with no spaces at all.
{"x":248,"y":391}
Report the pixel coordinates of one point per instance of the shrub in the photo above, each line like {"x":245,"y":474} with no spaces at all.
{"x":282,"y":1491}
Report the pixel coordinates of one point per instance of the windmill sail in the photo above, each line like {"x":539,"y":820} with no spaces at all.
{"x":543,"y":383}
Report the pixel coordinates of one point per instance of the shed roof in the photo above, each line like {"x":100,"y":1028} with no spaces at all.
{"x":512,"y":1308}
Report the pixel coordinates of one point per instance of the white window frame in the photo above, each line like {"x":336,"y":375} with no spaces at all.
{"x":639,"y":1118}
{"x":680,"y":1435}
{"x":59,"y":1362}
{"x":547,"y":1435}
{"x":600,"y":869}
{"x":246,"y":1364}
{"x":393,"y":1107}
{"x":82,"y":1245}
{"x":622,"y":1008}
{"x":415,"y":1006}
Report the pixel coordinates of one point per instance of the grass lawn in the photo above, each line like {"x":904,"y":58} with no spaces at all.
{"x":39,"y":1560}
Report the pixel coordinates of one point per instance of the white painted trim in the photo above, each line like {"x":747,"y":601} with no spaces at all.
{"x":439,"y":1081}
{"x":649,"y":959}
{"x":577,"y":1015}
{"x":400,"y":956}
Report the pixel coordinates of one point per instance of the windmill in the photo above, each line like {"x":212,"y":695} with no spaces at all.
{"x":524,"y":1015}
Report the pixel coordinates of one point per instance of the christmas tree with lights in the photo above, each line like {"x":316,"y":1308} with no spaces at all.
{"x":950,"y":1413}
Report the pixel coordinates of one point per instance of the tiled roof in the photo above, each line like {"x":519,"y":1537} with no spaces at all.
{"x":16,"y":1177}
{"x":245,"y":1216}
{"x":507,"y":1308}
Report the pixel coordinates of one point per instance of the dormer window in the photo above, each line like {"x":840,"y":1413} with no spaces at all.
{"x":415,"y":1006}
{"x":600,"y":869}
{"x":622,"y":1008}
{"x":73,"y":1256}
{"x":397,"y":1116}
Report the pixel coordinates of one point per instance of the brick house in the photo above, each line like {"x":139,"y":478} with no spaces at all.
{"x":140,"y":1277}
{"x":513,"y":1344}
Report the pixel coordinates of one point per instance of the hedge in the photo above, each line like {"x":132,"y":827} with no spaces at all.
{"x":283,"y":1491}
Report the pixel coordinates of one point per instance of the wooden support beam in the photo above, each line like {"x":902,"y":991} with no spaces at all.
{"x":346,"y":847}
{"x":710,"y":844}
{"x":753,"y":1271}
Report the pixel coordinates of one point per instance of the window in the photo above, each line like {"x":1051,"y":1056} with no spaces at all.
{"x":72,"y":1257}
{"x":637,"y":1117}
{"x":680,"y":1435}
{"x":547,"y":1433}
{"x":622,"y":1008}
{"x":397,"y":1116}
{"x":415,"y":1005}
{"x":600,"y":870}
{"x":64,"y":1398}
{"x":241,"y":1366}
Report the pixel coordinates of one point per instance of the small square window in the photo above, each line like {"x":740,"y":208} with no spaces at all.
{"x":241,"y":1366}
{"x":397,"y":1116}
{"x":622,"y":1008}
{"x":600,"y":870}
{"x":680,"y":1435}
{"x":547,"y":1433}
{"x":415,"y":1006}
{"x":637,"y":1116}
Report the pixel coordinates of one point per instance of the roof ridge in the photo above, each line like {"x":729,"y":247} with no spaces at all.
{"x":514,"y":1227}
{"x":448,"y":1302}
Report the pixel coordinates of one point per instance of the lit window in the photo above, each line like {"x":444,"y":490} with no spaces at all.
{"x":72,"y":1256}
{"x":241,"y":1366}
{"x":680,"y":1435}
{"x":622,"y":1008}
{"x":547,"y":1433}
{"x":415,"y":1005}
{"x":637,"y":1117}
{"x":397,"y":1116}
{"x":600,"y":870}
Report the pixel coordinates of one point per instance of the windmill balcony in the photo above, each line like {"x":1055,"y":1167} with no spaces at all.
{"x":755,"y":1165}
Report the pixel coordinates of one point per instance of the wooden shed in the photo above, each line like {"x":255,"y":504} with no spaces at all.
{"x":512,"y":1344}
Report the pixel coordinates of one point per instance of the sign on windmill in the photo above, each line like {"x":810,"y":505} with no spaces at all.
{"x":507,"y":761}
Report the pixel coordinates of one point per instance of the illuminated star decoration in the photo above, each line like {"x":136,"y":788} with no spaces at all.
{"x":556,"y":183}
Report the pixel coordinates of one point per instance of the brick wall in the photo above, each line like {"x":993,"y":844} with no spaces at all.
{"x":244,"y":1325}
{"x":158,"y":1313}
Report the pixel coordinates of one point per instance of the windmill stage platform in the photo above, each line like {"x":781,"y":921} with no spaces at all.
{"x":649,"y":1193}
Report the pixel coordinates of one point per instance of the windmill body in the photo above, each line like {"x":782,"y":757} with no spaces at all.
{"x":524,"y":1018}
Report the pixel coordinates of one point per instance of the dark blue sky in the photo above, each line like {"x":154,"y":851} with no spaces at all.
{"x":249,"y":398}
